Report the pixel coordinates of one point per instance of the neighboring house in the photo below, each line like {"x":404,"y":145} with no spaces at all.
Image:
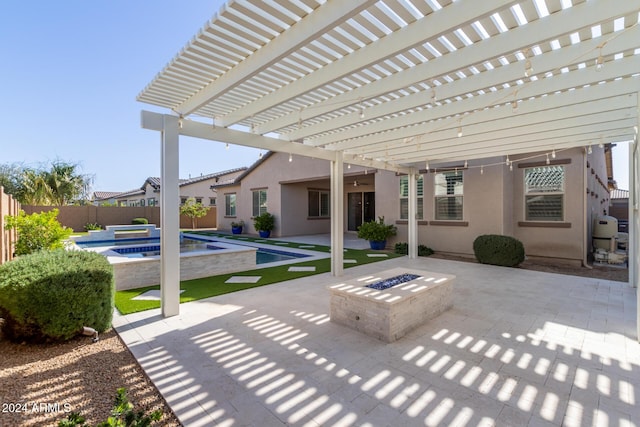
{"x":102,"y":197}
{"x":619,"y":208}
{"x":199,"y":188}
{"x":546,"y":200}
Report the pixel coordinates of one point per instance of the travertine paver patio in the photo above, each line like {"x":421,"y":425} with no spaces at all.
{"x":518,"y":348}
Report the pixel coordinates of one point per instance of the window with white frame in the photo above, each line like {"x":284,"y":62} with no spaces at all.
{"x":448,"y":196}
{"x":199,"y":200}
{"x":259,"y":202}
{"x":212,"y":201}
{"x":318,"y":204}
{"x":151,"y":201}
{"x":230,"y":204}
{"x":544,"y":193}
{"x":404,"y":197}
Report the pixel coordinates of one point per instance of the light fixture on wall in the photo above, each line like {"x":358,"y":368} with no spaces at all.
{"x":553,"y":154}
{"x":482,"y":170}
{"x":290,"y":157}
{"x":427,"y":166}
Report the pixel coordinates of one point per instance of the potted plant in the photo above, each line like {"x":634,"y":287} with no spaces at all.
{"x":376,"y":232}
{"x":236,"y":227}
{"x":264,"y":223}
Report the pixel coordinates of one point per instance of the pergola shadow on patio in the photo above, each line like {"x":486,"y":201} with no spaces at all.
{"x":517,"y":348}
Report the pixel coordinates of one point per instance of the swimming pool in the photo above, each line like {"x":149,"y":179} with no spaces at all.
{"x":263,"y":256}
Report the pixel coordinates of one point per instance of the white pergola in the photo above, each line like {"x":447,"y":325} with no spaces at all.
{"x":399,"y":84}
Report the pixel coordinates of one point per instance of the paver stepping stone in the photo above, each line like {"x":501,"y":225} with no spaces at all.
{"x":243,"y":279}
{"x":377,"y":255}
{"x":259,"y":241}
{"x":350,"y":261}
{"x":151,"y":295}
{"x":306,"y":246}
{"x":302,"y":268}
{"x":281,"y":243}
{"x":242,"y":238}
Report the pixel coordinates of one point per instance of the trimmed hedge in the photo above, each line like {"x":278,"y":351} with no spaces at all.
{"x":500,"y":250}
{"x":139,"y":221}
{"x":51,"y":295}
{"x":403,"y":248}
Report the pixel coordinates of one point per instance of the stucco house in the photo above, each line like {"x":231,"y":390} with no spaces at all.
{"x":198,"y":187}
{"x":546,"y":200}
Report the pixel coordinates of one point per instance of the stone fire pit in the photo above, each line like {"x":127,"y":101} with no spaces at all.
{"x":390,"y":304}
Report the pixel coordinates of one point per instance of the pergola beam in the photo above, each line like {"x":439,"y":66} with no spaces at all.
{"x":453,"y":110}
{"x":297,"y":36}
{"x":432,"y":26}
{"x":552,"y":27}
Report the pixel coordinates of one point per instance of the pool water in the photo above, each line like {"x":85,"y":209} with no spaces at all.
{"x":119,"y":242}
{"x":263,"y":256}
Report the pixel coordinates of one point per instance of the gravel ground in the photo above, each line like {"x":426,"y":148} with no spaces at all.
{"x":38,"y":383}
{"x":82,"y":376}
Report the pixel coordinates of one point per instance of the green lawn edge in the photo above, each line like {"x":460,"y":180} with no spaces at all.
{"x":207,"y":287}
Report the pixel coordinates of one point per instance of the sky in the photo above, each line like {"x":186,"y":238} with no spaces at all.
{"x":70,"y":74}
{"x":71,"y":71}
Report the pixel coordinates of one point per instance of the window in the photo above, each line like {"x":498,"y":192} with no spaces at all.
{"x":448,"y":196}
{"x":141,"y":202}
{"x":199,"y":200}
{"x":544,"y":193}
{"x":230,"y":204}
{"x":183,"y":200}
{"x":259,"y":202}
{"x":151,"y":201}
{"x":318,"y":204}
{"x":212,"y":201}
{"x":404,"y":197}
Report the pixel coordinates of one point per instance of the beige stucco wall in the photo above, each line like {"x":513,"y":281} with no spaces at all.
{"x":493,"y":202}
{"x":552,"y":242}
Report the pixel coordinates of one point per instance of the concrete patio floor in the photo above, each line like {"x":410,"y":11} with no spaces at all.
{"x":518,"y":348}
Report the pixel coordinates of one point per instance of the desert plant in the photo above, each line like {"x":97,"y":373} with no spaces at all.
{"x":37,"y":231}
{"x":376,"y":231}
{"x":139,"y":221}
{"x":122,"y":415}
{"x":498,"y":250}
{"x":51,"y":295}
{"x":92,"y":226}
{"x":193,"y":210}
{"x":264,"y":222}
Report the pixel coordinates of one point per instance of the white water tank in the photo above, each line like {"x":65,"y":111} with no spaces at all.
{"x":605,"y":229}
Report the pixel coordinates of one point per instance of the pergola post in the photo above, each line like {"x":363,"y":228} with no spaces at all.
{"x":337,"y":215}
{"x":412,"y":224}
{"x":169,"y":219}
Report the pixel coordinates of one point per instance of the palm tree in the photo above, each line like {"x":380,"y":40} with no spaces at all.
{"x":65,"y":184}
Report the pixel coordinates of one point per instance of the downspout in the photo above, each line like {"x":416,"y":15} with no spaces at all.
{"x":585,"y":206}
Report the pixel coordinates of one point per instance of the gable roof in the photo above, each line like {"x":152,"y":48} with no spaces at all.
{"x":155,"y":181}
{"x":246,"y":172}
{"x":104,"y":195}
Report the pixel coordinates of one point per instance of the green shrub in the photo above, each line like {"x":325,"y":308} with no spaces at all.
{"x":376,"y":231}
{"x":122,"y":415}
{"x":37,"y":231}
{"x":138,"y":221}
{"x":92,"y":226}
{"x":403,"y":248}
{"x":264,"y":222}
{"x":498,"y":250}
{"x":51,"y":295}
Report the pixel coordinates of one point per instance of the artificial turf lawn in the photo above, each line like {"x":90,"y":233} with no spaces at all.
{"x":215,"y":285}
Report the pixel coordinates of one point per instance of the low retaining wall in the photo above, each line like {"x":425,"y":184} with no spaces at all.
{"x":130,"y":273}
{"x":391,"y":313}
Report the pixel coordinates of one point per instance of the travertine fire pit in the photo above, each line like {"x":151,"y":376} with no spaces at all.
{"x":390,"y":313}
